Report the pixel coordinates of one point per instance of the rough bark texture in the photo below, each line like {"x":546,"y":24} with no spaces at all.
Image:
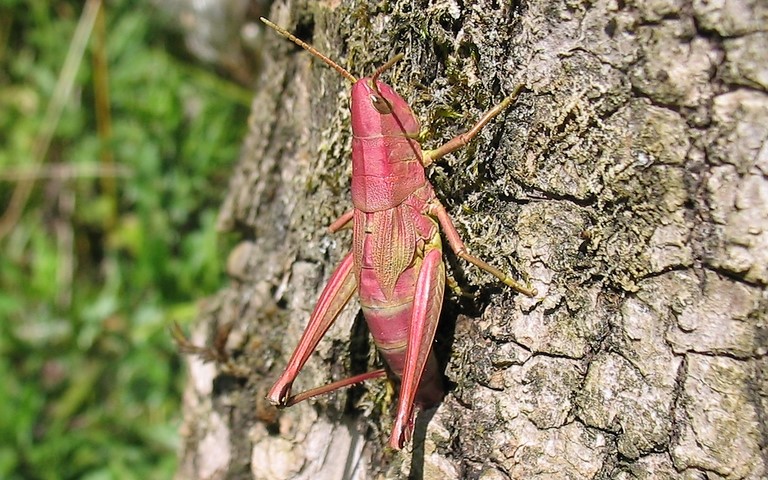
{"x":629,"y":184}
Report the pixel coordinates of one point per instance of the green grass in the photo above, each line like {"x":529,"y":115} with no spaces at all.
{"x":97,"y":266}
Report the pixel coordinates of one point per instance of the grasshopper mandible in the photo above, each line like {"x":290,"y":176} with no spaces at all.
{"x":396,"y":262}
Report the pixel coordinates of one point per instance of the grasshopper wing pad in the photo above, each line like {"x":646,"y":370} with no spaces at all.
{"x":394,"y":243}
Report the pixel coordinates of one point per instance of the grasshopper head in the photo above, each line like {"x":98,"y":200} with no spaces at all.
{"x":378,"y":110}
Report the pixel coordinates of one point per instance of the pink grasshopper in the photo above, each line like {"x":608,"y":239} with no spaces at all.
{"x":396,"y":263}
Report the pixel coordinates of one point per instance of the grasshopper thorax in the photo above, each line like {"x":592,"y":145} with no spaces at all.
{"x":386,"y":157}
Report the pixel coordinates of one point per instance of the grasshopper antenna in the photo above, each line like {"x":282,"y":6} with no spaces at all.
{"x":383,"y":69}
{"x":312,"y":50}
{"x":386,"y":66}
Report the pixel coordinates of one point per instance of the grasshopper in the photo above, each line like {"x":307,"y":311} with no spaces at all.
{"x":396,"y":263}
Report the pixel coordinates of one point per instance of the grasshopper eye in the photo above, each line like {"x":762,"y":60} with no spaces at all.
{"x":382,"y":106}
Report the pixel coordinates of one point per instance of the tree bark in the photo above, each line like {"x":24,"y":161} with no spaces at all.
{"x":628,"y":183}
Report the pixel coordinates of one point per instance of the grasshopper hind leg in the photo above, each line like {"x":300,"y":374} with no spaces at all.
{"x":334,"y":297}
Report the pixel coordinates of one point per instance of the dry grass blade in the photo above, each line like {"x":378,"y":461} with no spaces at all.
{"x":61,"y":93}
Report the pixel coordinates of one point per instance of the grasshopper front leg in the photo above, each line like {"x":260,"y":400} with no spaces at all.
{"x":334,"y":297}
{"x":461,"y":140}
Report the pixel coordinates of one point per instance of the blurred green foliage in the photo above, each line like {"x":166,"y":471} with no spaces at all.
{"x":98,"y":265}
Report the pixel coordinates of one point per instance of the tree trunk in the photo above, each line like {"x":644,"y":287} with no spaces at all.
{"x":628,"y":183}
